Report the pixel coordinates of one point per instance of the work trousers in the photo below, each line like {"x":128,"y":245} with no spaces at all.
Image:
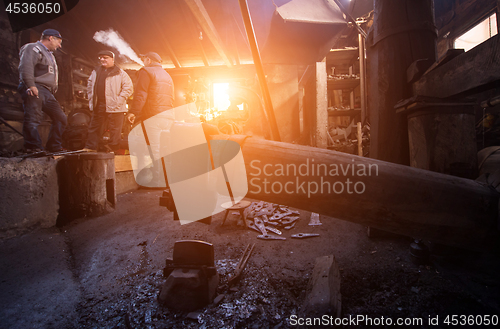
{"x":101,"y":120}
{"x":149,"y":143}
{"x":33,"y":113}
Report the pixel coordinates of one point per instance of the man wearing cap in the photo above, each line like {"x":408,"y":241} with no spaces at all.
{"x":154,"y":90}
{"x":108,"y":89}
{"x":38,"y":77}
{"x":153,"y":98}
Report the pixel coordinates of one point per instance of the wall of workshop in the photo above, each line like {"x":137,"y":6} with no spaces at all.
{"x":455,"y":17}
{"x":10,"y":101}
{"x":284,"y":89}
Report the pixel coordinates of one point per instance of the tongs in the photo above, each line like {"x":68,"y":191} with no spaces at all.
{"x":241,"y":264}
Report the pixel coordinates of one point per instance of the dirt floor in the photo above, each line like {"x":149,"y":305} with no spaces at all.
{"x":106,"y":272}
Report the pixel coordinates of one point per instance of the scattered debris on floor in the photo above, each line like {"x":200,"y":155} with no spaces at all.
{"x":265,"y":218}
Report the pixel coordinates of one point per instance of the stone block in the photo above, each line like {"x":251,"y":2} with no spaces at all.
{"x":125,"y":182}
{"x":29,"y":195}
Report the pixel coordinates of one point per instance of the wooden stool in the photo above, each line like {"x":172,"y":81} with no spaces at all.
{"x":240,"y":206}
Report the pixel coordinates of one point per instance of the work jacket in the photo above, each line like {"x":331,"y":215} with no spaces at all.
{"x":37,"y":65}
{"x":118,"y":88}
{"x":154,"y":92}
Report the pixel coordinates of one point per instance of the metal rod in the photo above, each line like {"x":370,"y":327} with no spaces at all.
{"x":360,"y":139}
{"x":362,"y":76}
{"x":491,"y":102}
{"x":228,"y":185}
{"x":8,"y":125}
{"x":259,"y":68}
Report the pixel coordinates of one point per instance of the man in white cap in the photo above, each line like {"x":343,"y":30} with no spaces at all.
{"x":38,"y":79}
{"x":108,"y":89}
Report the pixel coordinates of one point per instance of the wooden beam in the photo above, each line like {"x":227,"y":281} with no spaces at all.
{"x":235,"y":52}
{"x":242,"y":32}
{"x":400,"y":199}
{"x":201,"y":15}
{"x":321,"y":106}
{"x":362,"y":75}
{"x":192,"y":25}
{"x":159,"y":29}
{"x":344,"y":113}
{"x":323,"y":291}
{"x":308,"y":73}
{"x":123,"y":163}
{"x":475,"y":68}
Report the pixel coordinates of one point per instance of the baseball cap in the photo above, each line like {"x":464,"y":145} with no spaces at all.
{"x":153,"y":56}
{"x":106,"y":53}
{"x":52,"y":33}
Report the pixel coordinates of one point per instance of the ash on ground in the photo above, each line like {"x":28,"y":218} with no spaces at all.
{"x":258,"y":300}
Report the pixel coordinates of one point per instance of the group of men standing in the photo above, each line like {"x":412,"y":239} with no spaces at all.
{"x":108,"y":89}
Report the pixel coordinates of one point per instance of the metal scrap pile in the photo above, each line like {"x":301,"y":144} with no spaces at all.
{"x":343,"y":76}
{"x":265,"y":218}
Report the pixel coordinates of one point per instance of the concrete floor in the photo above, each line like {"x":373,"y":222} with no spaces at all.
{"x":83,"y":275}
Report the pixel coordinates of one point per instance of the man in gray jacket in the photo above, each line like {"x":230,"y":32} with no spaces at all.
{"x":37,"y":85}
{"x":108,"y":89}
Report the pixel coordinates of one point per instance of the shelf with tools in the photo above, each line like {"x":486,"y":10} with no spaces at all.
{"x":343,"y":88}
{"x":336,"y":112}
{"x":80,"y":72}
{"x":345,"y":81}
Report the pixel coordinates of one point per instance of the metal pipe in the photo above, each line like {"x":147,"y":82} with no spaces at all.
{"x":259,"y":68}
{"x":491,"y":102}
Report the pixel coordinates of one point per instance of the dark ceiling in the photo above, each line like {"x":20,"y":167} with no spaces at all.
{"x":188,"y":33}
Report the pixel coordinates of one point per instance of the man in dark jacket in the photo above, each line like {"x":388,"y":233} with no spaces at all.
{"x":152,"y":105}
{"x":38,"y":78}
{"x":154,"y":90}
{"x":108,"y":89}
